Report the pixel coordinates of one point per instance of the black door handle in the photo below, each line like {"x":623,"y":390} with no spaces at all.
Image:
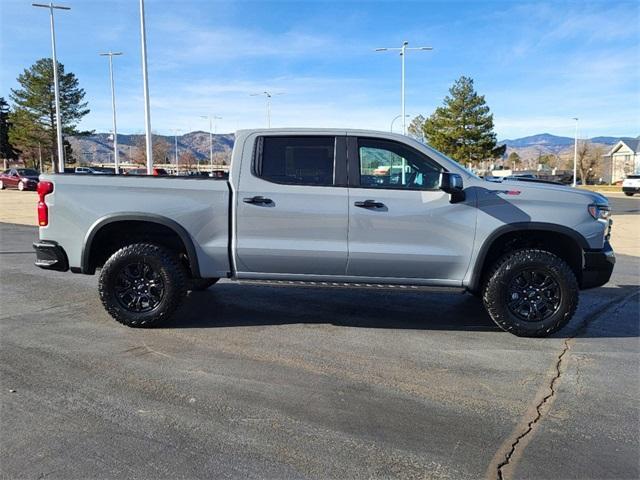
{"x":257,"y":200}
{"x":369,"y":204}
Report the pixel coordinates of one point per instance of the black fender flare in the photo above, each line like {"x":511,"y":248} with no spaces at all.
{"x":476,"y":275}
{"x":141,"y":217}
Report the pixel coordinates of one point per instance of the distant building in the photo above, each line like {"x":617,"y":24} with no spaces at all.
{"x":622,"y":160}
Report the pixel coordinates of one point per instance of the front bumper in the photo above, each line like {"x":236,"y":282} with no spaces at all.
{"x":630,"y":189}
{"x":597,"y":267}
{"x":50,"y":256}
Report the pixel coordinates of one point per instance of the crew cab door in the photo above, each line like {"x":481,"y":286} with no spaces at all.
{"x":400,"y":224}
{"x":292,"y":206}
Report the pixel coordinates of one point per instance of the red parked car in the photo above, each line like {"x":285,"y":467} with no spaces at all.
{"x":158,"y":172}
{"x":20,"y":178}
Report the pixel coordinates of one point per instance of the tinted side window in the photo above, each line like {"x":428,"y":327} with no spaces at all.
{"x":388,"y":164}
{"x":296,"y":160}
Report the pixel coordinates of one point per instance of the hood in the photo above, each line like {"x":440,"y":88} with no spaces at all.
{"x":30,"y":177}
{"x":587,"y":195}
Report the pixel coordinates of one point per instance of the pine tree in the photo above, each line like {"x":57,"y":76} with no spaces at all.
{"x":7,"y":152}
{"x":463,"y":127}
{"x":34,"y":115}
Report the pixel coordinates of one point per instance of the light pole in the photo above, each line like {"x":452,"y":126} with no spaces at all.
{"x":111,"y":54}
{"x":403,"y":52}
{"x":211,"y":119}
{"x":394,"y":121}
{"x":268,"y":96}
{"x":175,"y":136}
{"x":56,"y":89}
{"x":145,"y":87}
{"x":575,"y":155}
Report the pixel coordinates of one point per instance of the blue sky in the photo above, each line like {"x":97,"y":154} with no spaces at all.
{"x":538,"y":64}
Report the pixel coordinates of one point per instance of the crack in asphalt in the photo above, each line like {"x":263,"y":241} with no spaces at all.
{"x":539,"y":411}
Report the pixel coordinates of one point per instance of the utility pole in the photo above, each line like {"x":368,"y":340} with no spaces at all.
{"x":111,"y":54}
{"x":575,"y":155}
{"x":403,"y":52}
{"x":268,"y":96}
{"x":145,"y":86}
{"x":56,"y":88}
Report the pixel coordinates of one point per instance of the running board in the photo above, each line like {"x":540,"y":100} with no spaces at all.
{"x":368,"y":286}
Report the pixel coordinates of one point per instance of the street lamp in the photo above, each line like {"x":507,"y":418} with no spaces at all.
{"x":268,"y":96}
{"x":145,"y":87}
{"x":212,"y":125}
{"x":394,"y":121}
{"x":403,"y":50}
{"x":111,"y":54}
{"x":175,"y":136}
{"x":56,"y":89}
{"x":575,"y":155}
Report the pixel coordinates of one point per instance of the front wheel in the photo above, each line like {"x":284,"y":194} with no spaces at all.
{"x":629,"y":194}
{"x":142,"y":284}
{"x":21,"y":186}
{"x":531,"y":293}
{"x":1,"y":185}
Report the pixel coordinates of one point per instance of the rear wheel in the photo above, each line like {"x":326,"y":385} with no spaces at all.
{"x":629,"y":194}
{"x":531,"y":293}
{"x":199,"y":284}
{"x":142,"y":284}
{"x":1,"y":185}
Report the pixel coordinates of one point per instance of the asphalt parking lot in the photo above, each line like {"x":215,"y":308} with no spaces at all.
{"x":297,"y":382}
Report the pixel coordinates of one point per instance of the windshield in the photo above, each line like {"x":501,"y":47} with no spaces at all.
{"x":28,"y":172}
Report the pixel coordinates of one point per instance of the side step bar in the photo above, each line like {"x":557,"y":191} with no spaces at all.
{"x":367,"y":286}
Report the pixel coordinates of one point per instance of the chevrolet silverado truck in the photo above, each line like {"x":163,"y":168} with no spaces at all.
{"x":329,"y":207}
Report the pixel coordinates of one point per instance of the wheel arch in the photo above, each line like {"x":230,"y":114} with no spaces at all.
{"x":88,"y":258}
{"x":570,"y":246}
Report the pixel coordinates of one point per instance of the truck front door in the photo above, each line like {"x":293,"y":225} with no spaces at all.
{"x":400,"y":224}
{"x":292,"y":207}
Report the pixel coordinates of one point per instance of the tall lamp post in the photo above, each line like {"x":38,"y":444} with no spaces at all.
{"x":56,"y":89}
{"x":394,"y":121}
{"x":111,"y":54}
{"x":268,"y":96}
{"x":403,"y":52}
{"x":575,"y":155}
{"x":175,"y":137}
{"x":145,"y":87}
{"x":211,"y":119}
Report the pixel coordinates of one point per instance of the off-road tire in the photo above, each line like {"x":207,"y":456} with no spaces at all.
{"x":495,"y":293}
{"x":200,"y":284}
{"x":164,"y":263}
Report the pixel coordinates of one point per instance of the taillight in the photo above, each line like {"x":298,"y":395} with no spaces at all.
{"x":44,"y":188}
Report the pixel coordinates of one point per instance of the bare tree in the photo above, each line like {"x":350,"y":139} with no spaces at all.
{"x":187,"y":160}
{"x":587,"y":160}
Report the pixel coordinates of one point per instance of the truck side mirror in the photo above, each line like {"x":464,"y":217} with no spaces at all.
{"x":452,"y":184}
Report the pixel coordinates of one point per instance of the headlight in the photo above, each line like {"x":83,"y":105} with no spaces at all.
{"x":599,"y":212}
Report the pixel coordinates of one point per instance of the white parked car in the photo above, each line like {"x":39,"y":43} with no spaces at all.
{"x":631,"y":185}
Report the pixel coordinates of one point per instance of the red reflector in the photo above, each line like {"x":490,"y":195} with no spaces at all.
{"x":44,"y":188}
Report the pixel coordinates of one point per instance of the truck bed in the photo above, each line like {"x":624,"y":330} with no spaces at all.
{"x":80,"y":204}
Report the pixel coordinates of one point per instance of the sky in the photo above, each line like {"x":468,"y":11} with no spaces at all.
{"x":538,"y":64}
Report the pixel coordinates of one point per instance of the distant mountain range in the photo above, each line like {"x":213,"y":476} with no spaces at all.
{"x":98,"y":148}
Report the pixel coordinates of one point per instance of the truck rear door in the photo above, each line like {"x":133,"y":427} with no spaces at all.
{"x":292,"y":206}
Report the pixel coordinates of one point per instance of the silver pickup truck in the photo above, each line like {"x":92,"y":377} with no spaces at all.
{"x":337,"y":207}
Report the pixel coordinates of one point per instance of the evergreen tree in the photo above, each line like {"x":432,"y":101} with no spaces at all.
{"x":6,"y":149}
{"x":463,"y":127}
{"x":34,"y":116}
